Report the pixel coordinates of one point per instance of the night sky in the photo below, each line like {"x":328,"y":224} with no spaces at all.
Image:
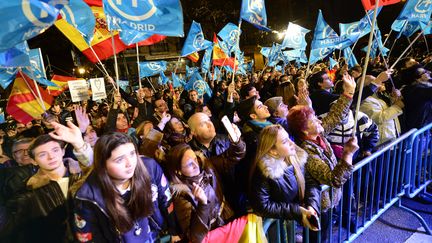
{"x":214,"y":14}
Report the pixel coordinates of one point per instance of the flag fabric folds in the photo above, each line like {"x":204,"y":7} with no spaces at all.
{"x":79,"y":15}
{"x":254,"y":12}
{"x":163,"y":17}
{"x":220,"y":58}
{"x":22,"y":20}
{"x":194,"y":57}
{"x":349,"y":57}
{"x":414,"y":15}
{"x":319,"y":54}
{"x":23,"y":103}
{"x":230,"y":34}
{"x":7,"y":76}
{"x":370,"y":4}
{"x":206,"y":61}
{"x":148,"y":69}
{"x":295,"y":37}
{"x":17,"y":56}
{"x":196,"y":82}
{"x":326,"y":37}
{"x":62,"y":84}
{"x":195,"y":40}
{"x":177,"y":82}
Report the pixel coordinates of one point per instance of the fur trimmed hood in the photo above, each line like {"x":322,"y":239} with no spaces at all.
{"x":274,"y":168}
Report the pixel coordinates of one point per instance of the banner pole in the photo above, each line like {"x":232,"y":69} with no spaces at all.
{"x":235,"y":53}
{"x":115,"y":62}
{"x":138,"y":61}
{"x":371,"y":35}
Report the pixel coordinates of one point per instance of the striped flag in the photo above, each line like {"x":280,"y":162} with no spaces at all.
{"x":23,"y":103}
{"x":61,"y":82}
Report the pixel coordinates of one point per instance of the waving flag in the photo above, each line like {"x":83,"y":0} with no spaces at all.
{"x":163,"y":17}
{"x":333,"y":62}
{"x":79,"y":15}
{"x":162,"y":80}
{"x":265,"y":51}
{"x":230,"y":34}
{"x":17,"y":56}
{"x":7,"y":76}
{"x":22,"y":104}
{"x":194,"y":57}
{"x":319,"y":54}
{"x":370,"y":4}
{"x":295,"y":37}
{"x":356,"y":30}
{"x":275,"y":55}
{"x":325,"y":36}
{"x":205,"y":63}
{"x":254,"y":12}
{"x":350,"y":57}
{"x":143,"y":39}
{"x":22,"y":20}
{"x":220,"y":58}
{"x":62,"y":84}
{"x":148,"y":69}
{"x":377,"y":46}
{"x":177,"y":82}
{"x":197,"y":83}
{"x":190,"y":71}
{"x":415,"y":12}
{"x":195,"y":40}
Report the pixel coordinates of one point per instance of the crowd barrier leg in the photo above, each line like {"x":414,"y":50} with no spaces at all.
{"x":418,"y":216}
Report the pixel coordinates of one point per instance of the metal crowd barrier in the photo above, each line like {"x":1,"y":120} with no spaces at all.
{"x":401,"y":168}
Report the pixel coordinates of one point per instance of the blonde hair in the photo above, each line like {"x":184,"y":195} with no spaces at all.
{"x":266,"y":142}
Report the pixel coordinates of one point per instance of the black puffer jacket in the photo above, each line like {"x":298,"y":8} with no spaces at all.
{"x":274,"y":192}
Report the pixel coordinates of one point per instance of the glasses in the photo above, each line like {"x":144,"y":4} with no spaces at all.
{"x":20,"y":152}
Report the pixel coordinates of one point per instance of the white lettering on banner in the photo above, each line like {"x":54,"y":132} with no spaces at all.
{"x":138,"y":13}
{"x":422,"y":6}
{"x":139,"y":27}
{"x":418,"y":16}
{"x":254,"y":20}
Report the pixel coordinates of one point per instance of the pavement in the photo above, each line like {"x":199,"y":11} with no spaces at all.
{"x":397,"y":225}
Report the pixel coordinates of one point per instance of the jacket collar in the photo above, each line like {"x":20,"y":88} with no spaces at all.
{"x":274,"y":168}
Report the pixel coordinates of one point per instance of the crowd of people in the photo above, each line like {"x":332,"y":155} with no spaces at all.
{"x":148,"y":164}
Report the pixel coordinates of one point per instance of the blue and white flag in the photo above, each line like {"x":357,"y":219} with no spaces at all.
{"x":326,"y":37}
{"x":38,"y":76}
{"x":295,"y":37}
{"x":319,"y":54}
{"x":131,"y":37}
{"x":79,"y":15}
{"x":205,"y":62}
{"x":37,"y":62}
{"x":17,"y":56}
{"x":195,"y":40}
{"x":162,"y":80}
{"x":416,"y":10}
{"x":265,"y":51}
{"x":22,"y":20}
{"x":356,"y":30}
{"x":333,"y":62}
{"x":177,"y":82}
{"x":163,"y":17}
{"x":216,"y":74}
{"x":292,"y":55}
{"x":196,"y":82}
{"x":230,"y":34}
{"x":377,"y":46}
{"x":410,"y":28}
{"x":254,"y":12}
{"x":275,"y":55}
{"x":190,"y":71}
{"x":349,"y":57}
{"x":148,"y":69}
{"x":7,"y":76}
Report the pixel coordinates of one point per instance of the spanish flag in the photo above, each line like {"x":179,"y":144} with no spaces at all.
{"x":24,"y":103}
{"x":102,"y":41}
{"x":220,"y":58}
{"x":61,"y":82}
{"x":194,"y":57}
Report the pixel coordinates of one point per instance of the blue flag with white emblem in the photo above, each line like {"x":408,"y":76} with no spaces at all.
{"x":196,"y":82}
{"x":22,"y":20}
{"x":275,"y":55}
{"x":7,"y":76}
{"x":326,"y":37}
{"x":79,"y":15}
{"x":254,"y":12}
{"x":148,"y":69}
{"x":205,"y":63}
{"x":163,"y":17}
{"x":295,"y":37}
{"x":319,"y":54}
{"x":177,"y":82}
{"x":38,"y":76}
{"x":162,"y":80}
{"x":265,"y":51}
{"x":190,"y":71}
{"x":416,"y":13}
{"x":377,"y":46}
{"x":17,"y":56}
{"x":349,"y":57}
{"x":195,"y":40}
{"x":356,"y":30}
{"x":230,"y":34}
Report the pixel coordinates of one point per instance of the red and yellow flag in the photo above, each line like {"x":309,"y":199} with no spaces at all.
{"x":61,"y":82}
{"x":102,"y":41}
{"x":194,"y":57}
{"x":24,"y":103}
{"x":370,"y":4}
{"x":220,"y":58}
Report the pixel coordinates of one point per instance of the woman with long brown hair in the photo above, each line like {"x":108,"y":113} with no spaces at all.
{"x":114,"y":203}
{"x":279,"y":185}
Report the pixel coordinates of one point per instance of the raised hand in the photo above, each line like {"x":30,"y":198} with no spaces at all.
{"x":82,"y":118}
{"x":70,"y":134}
{"x":199,"y":194}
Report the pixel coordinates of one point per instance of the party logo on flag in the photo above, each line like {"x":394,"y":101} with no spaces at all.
{"x":163,"y":17}
{"x":148,"y":69}
{"x":254,"y":12}
{"x":295,"y":37}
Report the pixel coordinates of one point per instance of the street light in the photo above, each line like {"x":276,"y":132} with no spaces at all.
{"x":81,"y":70}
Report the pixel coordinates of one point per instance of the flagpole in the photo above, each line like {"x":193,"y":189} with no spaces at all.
{"x":115,"y":61}
{"x":385,"y":41}
{"x":427,"y":46}
{"x":394,"y":42}
{"x":175,"y":68}
{"x":352,"y":50}
{"x":138,"y":61}
{"x":371,"y":35}
{"x":40,"y":100}
{"x":403,"y":53}
{"x":99,"y":61}
{"x":235,"y":53}
{"x":148,"y":80}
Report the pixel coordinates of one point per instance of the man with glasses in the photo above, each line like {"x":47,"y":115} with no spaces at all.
{"x":20,"y":152}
